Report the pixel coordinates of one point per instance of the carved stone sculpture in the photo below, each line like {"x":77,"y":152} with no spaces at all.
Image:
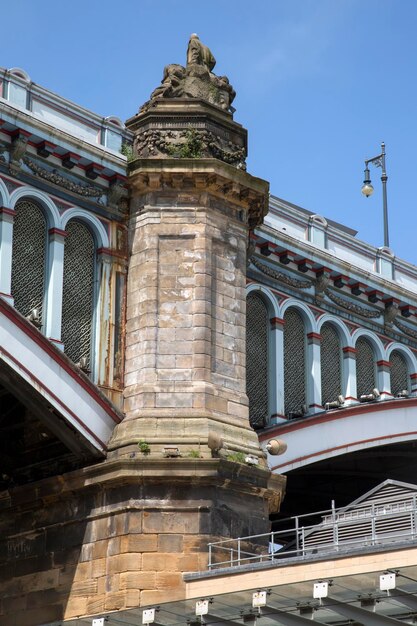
{"x":196,"y":80}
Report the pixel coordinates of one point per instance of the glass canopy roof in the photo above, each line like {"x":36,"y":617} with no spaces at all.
{"x":355,"y":599}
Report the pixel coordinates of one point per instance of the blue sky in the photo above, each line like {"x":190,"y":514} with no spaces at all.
{"x":320,"y":83}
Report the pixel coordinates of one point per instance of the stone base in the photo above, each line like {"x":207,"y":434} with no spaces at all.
{"x":120,"y":534}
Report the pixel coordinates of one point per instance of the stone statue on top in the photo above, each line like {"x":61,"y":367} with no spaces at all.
{"x":196,"y":80}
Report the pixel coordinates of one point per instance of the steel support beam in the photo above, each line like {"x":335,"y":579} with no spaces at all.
{"x":213,"y":619}
{"x":357,"y":614}
{"x":287,"y":619}
{"x":404,"y":598}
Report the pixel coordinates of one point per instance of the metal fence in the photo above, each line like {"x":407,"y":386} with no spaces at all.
{"x":306,"y":536}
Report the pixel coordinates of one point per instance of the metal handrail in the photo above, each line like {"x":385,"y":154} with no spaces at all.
{"x":298,"y":541}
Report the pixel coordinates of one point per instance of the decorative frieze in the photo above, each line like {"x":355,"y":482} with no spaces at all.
{"x":404,"y":328}
{"x":352,"y":306}
{"x":52,"y":176}
{"x":277,"y":275}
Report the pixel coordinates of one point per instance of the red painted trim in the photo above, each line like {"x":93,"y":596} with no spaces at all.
{"x":20,"y":131}
{"x":357,"y":409}
{"x":279,"y":415}
{"x":70,"y":155}
{"x":111,"y":252}
{"x":390,"y":300}
{"x":346,"y":445}
{"x":123,"y":179}
{"x":383,"y":363}
{"x":58,"y":356}
{"x":413,"y":376}
{"x":278,"y":321}
{"x":315,"y":406}
{"x":351,"y":398}
{"x":46,"y":143}
{"x":7,"y":211}
{"x":58,"y":231}
{"x":12,"y":180}
{"x":51,"y":393}
{"x":348,"y":350}
{"x":314,"y":336}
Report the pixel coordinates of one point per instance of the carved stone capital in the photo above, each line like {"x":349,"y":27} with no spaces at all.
{"x":248,"y":195}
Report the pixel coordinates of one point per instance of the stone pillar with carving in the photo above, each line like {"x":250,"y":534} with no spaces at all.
{"x":192,"y":207}
{"x":194,"y":465}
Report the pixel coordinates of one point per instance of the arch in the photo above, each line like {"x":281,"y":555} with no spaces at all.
{"x":295,"y":359}
{"x":29,"y":258}
{"x":17,"y":71}
{"x":4,"y":195}
{"x":406,"y":352}
{"x":51,"y":211}
{"x":318,"y":219}
{"x":342,"y":329}
{"x":258,"y":358}
{"x":116,"y":121}
{"x":380,"y":352}
{"x":99,"y":232}
{"x":268,"y":297}
{"x":331,"y":363}
{"x":79,"y":291}
{"x":305,"y":312}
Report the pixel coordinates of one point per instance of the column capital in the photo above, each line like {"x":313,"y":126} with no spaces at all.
{"x":276,"y":322}
{"x":6,"y":214}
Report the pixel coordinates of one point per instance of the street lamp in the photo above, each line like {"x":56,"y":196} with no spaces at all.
{"x":367,"y":188}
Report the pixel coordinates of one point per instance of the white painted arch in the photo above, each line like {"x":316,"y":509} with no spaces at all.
{"x":48,"y":205}
{"x":91,"y":221}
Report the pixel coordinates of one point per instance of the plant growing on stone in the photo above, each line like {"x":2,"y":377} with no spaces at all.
{"x":127,"y":151}
{"x":144,"y":446}
{"x":190,"y":149}
{"x":237,"y":457}
{"x":193,"y":454}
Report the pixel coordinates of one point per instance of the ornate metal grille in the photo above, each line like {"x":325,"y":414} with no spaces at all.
{"x":78,"y":291}
{"x":331,"y":359}
{"x":365,"y":367}
{"x":257,"y":329}
{"x":399,"y":373}
{"x":28,"y":257}
{"x":294,"y":362}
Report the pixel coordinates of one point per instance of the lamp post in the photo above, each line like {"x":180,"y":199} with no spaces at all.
{"x":367,"y":188}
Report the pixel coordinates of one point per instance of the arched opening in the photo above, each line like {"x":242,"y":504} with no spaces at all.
{"x":365,"y":367}
{"x":294,"y":364}
{"x":78,"y":292}
{"x":399,"y":373}
{"x":28,"y":259}
{"x":257,"y":359}
{"x":331,"y":364}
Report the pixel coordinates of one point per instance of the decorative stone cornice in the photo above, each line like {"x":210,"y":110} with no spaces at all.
{"x":405,"y":329}
{"x":52,"y":176}
{"x":352,"y":306}
{"x":203,"y":175}
{"x":277,"y":275}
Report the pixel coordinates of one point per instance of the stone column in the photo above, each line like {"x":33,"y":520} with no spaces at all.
{"x":349,"y":376}
{"x":55,"y":284}
{"x":6,"y":244}
{"x":277,"y":370}
{"x":384,"y":379}
{"x":185,"y":331}
{"x":314,"y":373}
